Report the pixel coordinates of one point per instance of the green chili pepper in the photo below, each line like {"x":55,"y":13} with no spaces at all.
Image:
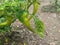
{"x":23,"y":18}
{"x":35,"y":5}
{"x":6,"y":22}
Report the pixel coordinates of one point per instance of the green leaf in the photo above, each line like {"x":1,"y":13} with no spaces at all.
{"x":39,"y":26}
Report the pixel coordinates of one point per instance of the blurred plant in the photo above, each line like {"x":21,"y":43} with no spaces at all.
{"x":54,"y":6}
{"x":39,"y":26}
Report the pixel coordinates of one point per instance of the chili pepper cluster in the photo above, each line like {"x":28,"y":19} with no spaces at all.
{"x":10,"y":10}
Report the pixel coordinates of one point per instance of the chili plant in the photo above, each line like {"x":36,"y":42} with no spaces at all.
{"x":56,"y":4}
{"x":10,"y":10}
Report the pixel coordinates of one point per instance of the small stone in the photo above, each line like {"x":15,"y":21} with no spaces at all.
{"x":54,"y":15}
{"x":40,"y":44}
{"x":17,"y":26}
{"x":55,"y":39}
{"x":48,"y":17}
{"x":59,"y":31}
{"x":46,"y":33}
{"x":51,"y":33}
{"x":59,"y":16}
{"x":54,"y":27}
{"x":52,"y":43}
